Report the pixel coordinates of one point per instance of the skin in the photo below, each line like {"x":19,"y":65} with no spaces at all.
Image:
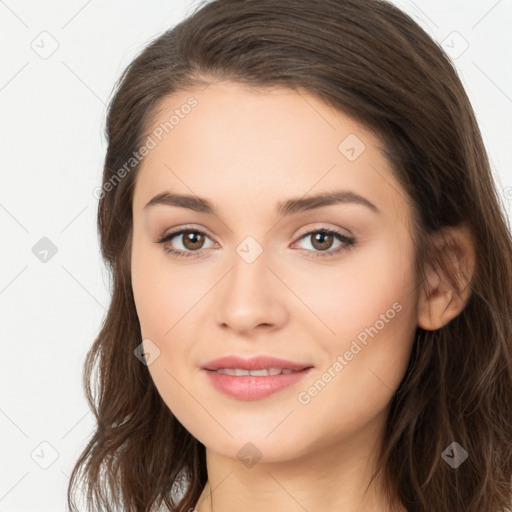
{"x":245,"y":150}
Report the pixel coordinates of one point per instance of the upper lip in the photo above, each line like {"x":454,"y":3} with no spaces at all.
{"x":254,"y":363}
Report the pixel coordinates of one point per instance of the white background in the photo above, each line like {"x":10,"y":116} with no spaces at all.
{"x":52,"y":118}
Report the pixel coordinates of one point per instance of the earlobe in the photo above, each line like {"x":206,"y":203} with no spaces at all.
{"x":443,"y":300}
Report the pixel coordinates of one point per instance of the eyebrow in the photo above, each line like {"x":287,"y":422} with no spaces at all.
{"x":288,"y":207}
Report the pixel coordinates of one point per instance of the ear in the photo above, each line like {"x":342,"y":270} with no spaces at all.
{"x":443,"y":300}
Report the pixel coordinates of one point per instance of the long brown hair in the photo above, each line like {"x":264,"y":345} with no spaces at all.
{"x":367,"y":59}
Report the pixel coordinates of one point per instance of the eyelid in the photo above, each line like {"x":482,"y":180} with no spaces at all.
{"x":179,"y":230}
{"x":322,"y":226}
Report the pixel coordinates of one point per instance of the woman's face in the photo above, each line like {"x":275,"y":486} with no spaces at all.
{"x":263,"y":280}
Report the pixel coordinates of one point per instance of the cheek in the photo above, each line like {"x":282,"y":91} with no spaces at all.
{"x":162,"y":300}
{"x":375,"y":280}
{"x":148,"y":291}
{"x":163,"y":292}
{"x":369,"y":307}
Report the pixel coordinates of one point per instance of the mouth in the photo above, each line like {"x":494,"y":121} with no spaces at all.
{"x":254,"y":379}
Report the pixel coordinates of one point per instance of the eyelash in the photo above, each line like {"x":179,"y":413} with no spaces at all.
{"x":348,"y":242}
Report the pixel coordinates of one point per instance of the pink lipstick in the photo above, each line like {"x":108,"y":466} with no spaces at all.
{"x":255,"y":378}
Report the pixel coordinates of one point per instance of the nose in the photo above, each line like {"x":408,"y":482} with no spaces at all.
{"x":251,"y":296}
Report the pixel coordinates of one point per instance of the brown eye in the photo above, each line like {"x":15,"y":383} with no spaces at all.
{"x":190,"y":240}
{"x":193,"y":240}
{"x":322,"y":241}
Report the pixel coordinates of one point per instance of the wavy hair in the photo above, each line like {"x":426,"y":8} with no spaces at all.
{"x":371,"y":61}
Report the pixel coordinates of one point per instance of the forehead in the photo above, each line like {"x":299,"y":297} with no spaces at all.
{"x":231,"y":142}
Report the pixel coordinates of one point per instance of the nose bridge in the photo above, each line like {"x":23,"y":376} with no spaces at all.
{"x":249,"y":275}
{"x":249,"y":295}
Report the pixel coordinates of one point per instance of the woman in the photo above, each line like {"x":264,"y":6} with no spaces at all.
{"x":312,"y":274}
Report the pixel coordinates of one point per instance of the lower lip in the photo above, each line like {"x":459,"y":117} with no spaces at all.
{"x":252,"y":387}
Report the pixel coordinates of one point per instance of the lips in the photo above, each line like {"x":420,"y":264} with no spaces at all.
{"x":255,"y":363}
{"x":255,"y":378}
